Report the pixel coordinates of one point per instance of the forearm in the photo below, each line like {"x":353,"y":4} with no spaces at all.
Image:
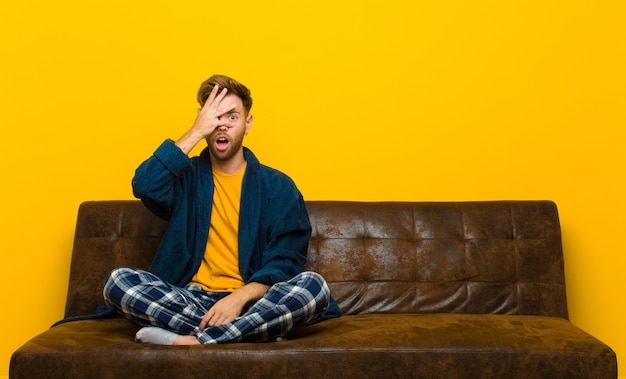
{"x":250,"y":292}
{"x":189,"y":140}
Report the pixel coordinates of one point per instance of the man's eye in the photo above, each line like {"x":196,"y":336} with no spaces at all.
{"x":233,"y":117}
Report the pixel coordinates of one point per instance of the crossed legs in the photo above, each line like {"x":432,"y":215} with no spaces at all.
{"x":146,"y":300}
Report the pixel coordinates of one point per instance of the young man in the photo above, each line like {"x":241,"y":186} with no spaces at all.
{"x":230,"y":265}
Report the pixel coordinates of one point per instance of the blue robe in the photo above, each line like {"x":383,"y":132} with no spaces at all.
{"x":274,"y":227}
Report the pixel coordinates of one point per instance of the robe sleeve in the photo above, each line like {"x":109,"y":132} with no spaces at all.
{"x":157,"y":178}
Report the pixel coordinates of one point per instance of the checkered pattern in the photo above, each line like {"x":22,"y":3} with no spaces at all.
{"x":145,"y":299}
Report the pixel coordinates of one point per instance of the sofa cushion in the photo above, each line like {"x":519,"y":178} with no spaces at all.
{"x":360,"y":346}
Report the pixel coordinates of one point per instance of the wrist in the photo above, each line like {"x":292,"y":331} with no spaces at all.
{"x":252,"y":291}
{"x":188,"y":141}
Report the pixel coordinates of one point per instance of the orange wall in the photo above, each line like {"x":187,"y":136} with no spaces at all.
{"x":416,"y":101}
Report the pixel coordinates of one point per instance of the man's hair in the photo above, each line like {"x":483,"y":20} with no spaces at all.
{"x":234,"y":88}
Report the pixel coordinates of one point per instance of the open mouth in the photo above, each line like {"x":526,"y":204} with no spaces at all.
{"x":221,"y":143}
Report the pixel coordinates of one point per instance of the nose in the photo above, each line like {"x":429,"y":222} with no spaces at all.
{"x":227,"y":124}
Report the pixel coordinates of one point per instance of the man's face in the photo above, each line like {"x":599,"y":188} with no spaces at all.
{"x":226,"y":141}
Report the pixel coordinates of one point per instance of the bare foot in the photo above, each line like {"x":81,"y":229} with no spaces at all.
{"x":186,"y":340}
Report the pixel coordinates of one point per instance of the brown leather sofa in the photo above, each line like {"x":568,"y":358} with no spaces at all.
{"x":427,"y":290}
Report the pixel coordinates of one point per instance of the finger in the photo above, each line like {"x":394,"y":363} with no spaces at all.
{"x":215,"y":98}
{"x":213,"y":322}
{"x":211,"y":97}
{"x":221,"y":95}
{"x":204,"y":322}
{"x":225,"y":320}
{"x":222,"y":110}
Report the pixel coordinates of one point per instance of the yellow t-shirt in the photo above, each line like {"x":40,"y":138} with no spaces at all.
{"x":219,"y":271}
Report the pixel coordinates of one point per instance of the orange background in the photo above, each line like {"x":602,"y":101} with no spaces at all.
{"x":355,"y":100}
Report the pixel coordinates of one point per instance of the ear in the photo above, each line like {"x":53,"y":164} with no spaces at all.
{"x":249,"y":123}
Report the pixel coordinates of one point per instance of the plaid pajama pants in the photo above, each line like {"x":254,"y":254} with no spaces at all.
{"x":146,"y":300}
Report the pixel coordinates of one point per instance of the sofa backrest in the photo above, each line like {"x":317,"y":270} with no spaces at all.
{"x":387,"y":257}
{"x":109,"y":234}
{"x":465,"y":257}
